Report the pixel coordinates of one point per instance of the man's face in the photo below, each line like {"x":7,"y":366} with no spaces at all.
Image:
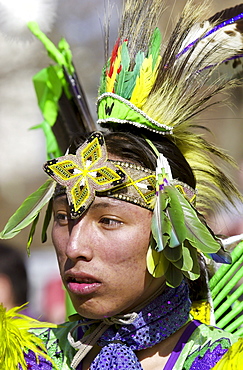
{"x":102,"y":256}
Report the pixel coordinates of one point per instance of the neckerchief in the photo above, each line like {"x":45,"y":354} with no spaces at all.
{"x":125,"y":334}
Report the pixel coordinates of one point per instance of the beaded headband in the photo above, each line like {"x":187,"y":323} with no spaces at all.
{"x":90,"y":173}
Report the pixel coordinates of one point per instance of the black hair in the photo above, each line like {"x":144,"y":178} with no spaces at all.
{"x":13,"y":266}
{"x":136,"y":149}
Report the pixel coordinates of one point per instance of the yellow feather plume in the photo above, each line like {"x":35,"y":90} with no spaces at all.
{"x":16,"y":338}
{"x":233,"y":358}
{"x":110,"y":81}
{"x":144,"y":81}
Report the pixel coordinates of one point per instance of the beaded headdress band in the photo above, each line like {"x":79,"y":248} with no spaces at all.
{"x":90,"y":173}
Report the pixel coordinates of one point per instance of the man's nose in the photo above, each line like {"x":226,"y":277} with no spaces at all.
{"x":79,"y":242}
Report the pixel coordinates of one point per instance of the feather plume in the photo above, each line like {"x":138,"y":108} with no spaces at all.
{"x":177,"y":233}
{"x":29,"y":210}
{"x":15,"y":16}
{"x":60,"y":98}
{"x":233,"y":358}
{"x":65,"y":111}
{"x":180,"y":93}
{"x":115,"y":65}
{"x":136,"y":27}
{"x":16,"y":338}
{"x":185,"y":82}
{"x":218,"y":29}
{"x":144,"y":82}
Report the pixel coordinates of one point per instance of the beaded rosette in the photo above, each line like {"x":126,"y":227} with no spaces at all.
{"x":90,"y":173}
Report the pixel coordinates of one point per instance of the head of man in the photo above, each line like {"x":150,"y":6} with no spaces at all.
{"x":102,"y":254}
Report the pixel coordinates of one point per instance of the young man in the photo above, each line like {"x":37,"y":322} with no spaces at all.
{"x":128,"y":238}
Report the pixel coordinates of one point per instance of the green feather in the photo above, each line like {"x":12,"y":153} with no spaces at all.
{"x":130,"y":82}
{"x":156,"y":262}
{"x":28,"y":211}
{"x":161,"y":225}
{"x":125,"y":62}
{"x":193,"y":229}
{"x":186,"y":262}
{"x":173,"y":276}
{"x":176,"y":213}
{"x":173,"y":254}
{"x":191,"y":275}
{"x":155,"y":45}
{"x":102,"y":87}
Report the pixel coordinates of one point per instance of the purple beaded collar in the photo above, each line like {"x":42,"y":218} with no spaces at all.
{"x":162,"y":317}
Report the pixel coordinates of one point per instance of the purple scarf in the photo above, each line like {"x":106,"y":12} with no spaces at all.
{"x":162,"y":317}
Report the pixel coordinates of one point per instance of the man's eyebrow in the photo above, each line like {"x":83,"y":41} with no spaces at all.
{"x":103,"y":205}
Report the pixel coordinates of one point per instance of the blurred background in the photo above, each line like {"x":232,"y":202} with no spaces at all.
{"x":23,"y":150}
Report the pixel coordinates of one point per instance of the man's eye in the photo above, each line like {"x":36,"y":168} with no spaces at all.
{"x":110,"y":222}
{"x":61,"y":218}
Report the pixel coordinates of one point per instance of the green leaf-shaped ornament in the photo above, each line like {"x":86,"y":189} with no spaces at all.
{"x":157,"y":264}
{"x":176,"y":214}
{"x":28,"y":211}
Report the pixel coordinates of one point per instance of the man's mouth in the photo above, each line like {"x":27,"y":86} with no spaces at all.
{"x":81,"y":280}
{"x":82,"y":285}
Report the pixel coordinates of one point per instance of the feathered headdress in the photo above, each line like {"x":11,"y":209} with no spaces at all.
{"x":165,"y":93}
{"x":146,"y":85}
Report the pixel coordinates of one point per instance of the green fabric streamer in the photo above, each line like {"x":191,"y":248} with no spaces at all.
{"x":62,"y":56}
{"x":49,"y":84}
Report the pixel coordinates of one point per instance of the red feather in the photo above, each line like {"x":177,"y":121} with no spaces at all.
{"x":113,"y":58}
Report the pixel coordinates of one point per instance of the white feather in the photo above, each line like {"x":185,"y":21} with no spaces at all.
{"x":162,"y":162}
{"x":225,"y":41}
{"x":16,"y":14}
